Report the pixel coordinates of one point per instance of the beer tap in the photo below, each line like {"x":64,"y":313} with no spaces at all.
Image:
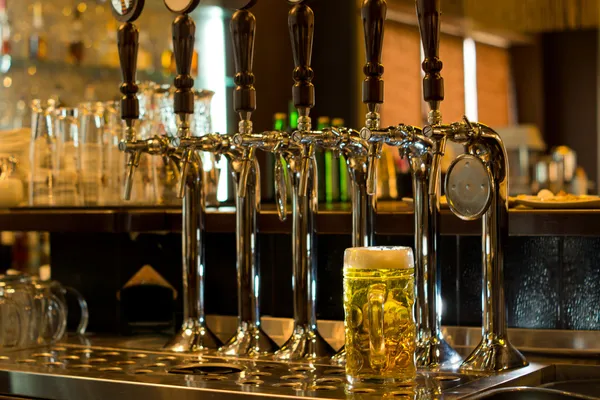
{"x":360,"y":154}
{"x":432,"y":349}
{"x":476,"y":187}
{"x":194,"y":335}
{"x":306,"y":342}
{"x":128,"y":43}
{"x":249,"y":338}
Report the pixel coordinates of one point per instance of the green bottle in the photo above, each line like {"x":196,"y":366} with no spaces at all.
{"x":293,"y":113}
{"x":322,"y":123}
{"x":332,"y":177}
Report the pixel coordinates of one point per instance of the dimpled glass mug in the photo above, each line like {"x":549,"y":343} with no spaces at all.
{"x":379,"y":317}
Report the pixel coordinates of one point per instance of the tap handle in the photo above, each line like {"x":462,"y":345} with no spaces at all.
{"x":428,"y":12}
{"x":243,"y":29}
{"x":301,"y":22}
{"x":373,"y":17}
{"x":184,"y":31}
{"x":127,"y":41}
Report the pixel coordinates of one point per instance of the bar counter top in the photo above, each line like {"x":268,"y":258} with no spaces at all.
{"x":393,"y":218}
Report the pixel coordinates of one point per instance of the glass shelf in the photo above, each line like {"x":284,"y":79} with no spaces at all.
{"x":33,"y":66}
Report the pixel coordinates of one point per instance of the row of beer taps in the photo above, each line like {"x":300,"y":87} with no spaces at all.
{"x":476,"y":185}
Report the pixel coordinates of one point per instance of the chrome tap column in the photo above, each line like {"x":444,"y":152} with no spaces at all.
{"x":305,"y":342}
{"x":476,"y":187}
{"x":194,"y":334}
{"x":249,"y":338}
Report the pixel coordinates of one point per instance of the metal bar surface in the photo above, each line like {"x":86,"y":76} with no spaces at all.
{"x":393,"y":218}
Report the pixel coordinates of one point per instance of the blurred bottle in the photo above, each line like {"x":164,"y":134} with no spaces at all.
{"x":322,"y":171}
{"x":167,"y":62}
{"x":38,"y":45}
{"x":76,"y":48}
{"x":109,"y":54}
{"x":4,"y":30}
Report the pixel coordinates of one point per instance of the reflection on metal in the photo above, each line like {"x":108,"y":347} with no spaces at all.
{"x":469,"y":187}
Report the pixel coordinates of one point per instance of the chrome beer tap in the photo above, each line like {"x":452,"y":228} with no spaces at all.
{"x":128,"y":43}
{"x":194,"y":335}
{"x":432,"y":349}
{"x":306,"y":342}
{"x":249,"y":339}
{"x":476,"y":187}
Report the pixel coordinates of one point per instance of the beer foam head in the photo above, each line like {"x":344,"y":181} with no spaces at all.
{"x":379,"y":257}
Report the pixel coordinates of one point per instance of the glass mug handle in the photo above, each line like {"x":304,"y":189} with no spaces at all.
{"x":376,"y":300}
{"x":6,"y":323}
{"x":55,"y":303}
{"x":85,"y":315}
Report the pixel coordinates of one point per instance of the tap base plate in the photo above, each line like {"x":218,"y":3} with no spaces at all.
{"x":249,"y":340}
{"x":307,"y":344}
{"x":494,"y":354}
{"x":193,"y":337}
{"x":435,"y":353}
{"x":339,"y":358}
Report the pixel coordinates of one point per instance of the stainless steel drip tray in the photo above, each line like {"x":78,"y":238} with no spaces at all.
{"x":92,"y":372}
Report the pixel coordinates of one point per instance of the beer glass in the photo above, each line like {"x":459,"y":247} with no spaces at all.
{"x":42,"y":152}
{"x":91,"y":144}
{"x":67,"y":165}
{"x":379,"y":318}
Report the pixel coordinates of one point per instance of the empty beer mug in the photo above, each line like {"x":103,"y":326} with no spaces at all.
{"x":91,"y":125}
{"x":67,"y":166}
{"x":379,"y":316}
{"x":42,"y":153}
{"x":11,"y":320}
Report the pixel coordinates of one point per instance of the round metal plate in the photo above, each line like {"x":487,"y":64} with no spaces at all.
{"x":181,"y":6}
{"x":127,"y":10}
{"x":469,"y":187}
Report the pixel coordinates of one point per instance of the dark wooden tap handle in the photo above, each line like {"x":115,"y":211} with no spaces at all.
{"x":127,"y":41}
{"x":428,"y":12}
{"x":301,"y":22}
{"x":373,"y":17}
{"x":184,"y":31}
{"x":243,"y":29}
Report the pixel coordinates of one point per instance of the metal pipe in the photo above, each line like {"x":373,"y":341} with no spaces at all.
{"x":194,"y":334}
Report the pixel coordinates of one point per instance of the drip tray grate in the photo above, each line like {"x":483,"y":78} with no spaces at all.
{"x":182,"y":372}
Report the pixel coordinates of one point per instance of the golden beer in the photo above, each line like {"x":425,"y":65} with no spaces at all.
{"x":379,"y":319}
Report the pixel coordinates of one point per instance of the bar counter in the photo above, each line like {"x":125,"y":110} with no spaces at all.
{"x":393,"y":218}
